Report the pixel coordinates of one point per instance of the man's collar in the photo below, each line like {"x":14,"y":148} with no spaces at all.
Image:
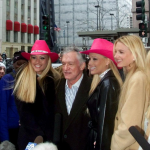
{"x":77,"y":84}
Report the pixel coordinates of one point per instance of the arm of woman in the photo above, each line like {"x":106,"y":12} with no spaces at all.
{"x":131,"y":113}
{"x":109,"y":94}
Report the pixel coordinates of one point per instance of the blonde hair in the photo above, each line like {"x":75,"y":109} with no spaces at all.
{"x":25,"y":84}
{"x":138,"y":51}
{"x":96,"y":78}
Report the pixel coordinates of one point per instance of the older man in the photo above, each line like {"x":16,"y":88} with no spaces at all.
{"x":72,"y":95}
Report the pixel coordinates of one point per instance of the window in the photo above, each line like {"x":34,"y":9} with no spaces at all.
{"x":16,"y":5}
{"x":35,"y":37}
{"x":16,"y":17}
{"x":29,"y":49}
{"x":22,"y":48}
{"x":22,"y":37}
{"x":34,"y":10}
{"x":22,"y":7}
{"x":15,"y":36}
{"x":7,"y":36}
{"x":29,"y":20}
{"x":8,"y":16}
{"x":29,"y":38}
{"x":8,"y":2}
{"x":22,"y":18}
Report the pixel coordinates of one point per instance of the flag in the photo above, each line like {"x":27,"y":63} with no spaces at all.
{"x":56,"y":28}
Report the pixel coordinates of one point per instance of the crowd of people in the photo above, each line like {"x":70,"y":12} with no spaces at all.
{"x":84,"y":104}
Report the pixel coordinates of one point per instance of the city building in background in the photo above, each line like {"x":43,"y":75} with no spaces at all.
{"x":19,"y":25}
{"x":89,"y":15}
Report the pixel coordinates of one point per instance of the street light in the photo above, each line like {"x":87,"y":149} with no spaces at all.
{"x":97,"y":6}
{"x":67,"y":33}
{"x":111,"y":21}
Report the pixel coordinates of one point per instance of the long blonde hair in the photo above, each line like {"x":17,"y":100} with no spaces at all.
{"x":138,"y":51}
{"x":96,"y":78}
{"x":25,"y":84}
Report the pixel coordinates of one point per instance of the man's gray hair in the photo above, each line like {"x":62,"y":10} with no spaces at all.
{"x":74,"y":49}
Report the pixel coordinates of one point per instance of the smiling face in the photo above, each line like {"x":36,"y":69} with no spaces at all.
{"x":123,"y":56}
{"x":2,"y":71}
{"x":97,"y":63}
{"x":72,"y":69}
{"x":39,"y":62}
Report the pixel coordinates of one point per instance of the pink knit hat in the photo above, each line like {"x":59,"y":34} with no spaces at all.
{"x":102,"y":47}
{"x":40,"y":47}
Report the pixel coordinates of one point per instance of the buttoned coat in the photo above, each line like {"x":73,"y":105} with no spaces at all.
{"x":74,"y":135}
{"x":131,"y":114}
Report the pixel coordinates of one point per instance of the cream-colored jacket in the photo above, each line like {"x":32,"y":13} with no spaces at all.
{"x":131,"y":114}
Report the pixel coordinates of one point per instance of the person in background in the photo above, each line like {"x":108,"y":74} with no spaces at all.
{"x":129,"y":53}
{"x":35,"y":94}
{"x":72,"y":96}
{"x":103,"y":95}
{"x":2,"y":70}
{"x":1,"y":59}
{"x":9,"y":122}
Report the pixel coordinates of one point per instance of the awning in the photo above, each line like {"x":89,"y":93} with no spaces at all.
{"x":36,"y":30}
{"x":16,"y":26}
{"x":23,"y":27}
{"x":9,"y":25}
{"x":30,"y":28}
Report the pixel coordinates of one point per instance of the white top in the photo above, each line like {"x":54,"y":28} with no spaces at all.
{"x":103,"y":74}
{"x":70,"y":93}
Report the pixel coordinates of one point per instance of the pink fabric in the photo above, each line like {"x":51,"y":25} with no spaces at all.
{"x":40,"y":47}
{"x":102,"y":47}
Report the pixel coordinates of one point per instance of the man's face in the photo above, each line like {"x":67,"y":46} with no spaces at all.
{"x":18,"y":63}
{"x":72,"y":69}
{"x":2,"y":71}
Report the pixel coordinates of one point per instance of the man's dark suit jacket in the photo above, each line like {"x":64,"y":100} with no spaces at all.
{"x":75,"y":128}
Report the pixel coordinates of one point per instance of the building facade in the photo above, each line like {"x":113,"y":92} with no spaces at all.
{"x":89,"y":15}
{"x":19,"y":25}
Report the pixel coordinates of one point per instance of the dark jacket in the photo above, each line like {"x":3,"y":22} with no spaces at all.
{"x":103,"y":104}
{"x":75,"y":129}
{"x":37,"y":118}
{"x":9,"y":118}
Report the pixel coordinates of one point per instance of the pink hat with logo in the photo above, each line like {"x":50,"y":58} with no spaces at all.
{"x":40,"y":47}
{"x":102,"y":47}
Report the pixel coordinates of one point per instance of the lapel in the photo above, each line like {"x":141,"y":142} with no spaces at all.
{"x":80,"y":100}
{"x":61,"y":98}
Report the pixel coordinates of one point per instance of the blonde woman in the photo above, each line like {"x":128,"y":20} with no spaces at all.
{"x":130,"y":54}
{"x":35,"y":93}
{"x":104,"y":93}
